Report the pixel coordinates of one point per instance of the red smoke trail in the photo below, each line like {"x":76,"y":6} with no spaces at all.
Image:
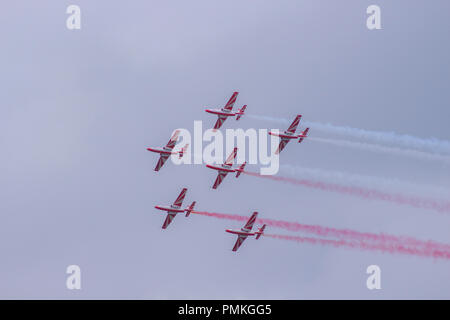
{"x":383,"y":247}
{"x":417,"y":202}
{"x":333,"y":232}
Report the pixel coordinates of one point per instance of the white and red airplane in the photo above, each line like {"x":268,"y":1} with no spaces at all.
{"x":226,"y":111}
{"x":175,"y":208}
{"x":246,"y":231}
{"x":166,"y":151}
{"x":290,"y":134}
{"x":226,"y":168}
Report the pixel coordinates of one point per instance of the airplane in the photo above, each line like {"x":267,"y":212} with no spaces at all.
{"x":290,"y":134}
{"x":226,"y":168}
{"x":226,"y":111}
{"x":166,"y":151}
{"x":175,"y":208}
{"x":246,"y":231}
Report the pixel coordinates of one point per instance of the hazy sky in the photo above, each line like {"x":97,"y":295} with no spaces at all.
{"x":79,"y":108}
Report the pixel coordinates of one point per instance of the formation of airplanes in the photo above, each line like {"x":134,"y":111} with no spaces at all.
{"x":223,"y":169}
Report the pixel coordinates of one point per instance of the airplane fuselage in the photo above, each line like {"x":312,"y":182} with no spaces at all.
{"x":162,"y":151}
{"x":286,"y":135}
{"x":221,"y":112}
{"x":170,"y":209}
{"x":240,"y":232}
{"x":221,"y":168}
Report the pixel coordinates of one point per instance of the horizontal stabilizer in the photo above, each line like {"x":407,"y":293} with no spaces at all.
{"x":303,"y":135}
{"x":190,"y":209}
{"x":260,"y":231}
{"x":183,"y":151}
{"x":240,"y":169}
{"x":240,"y":112}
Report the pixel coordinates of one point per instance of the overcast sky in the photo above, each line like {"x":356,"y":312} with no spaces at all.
{"x":80,"y":107}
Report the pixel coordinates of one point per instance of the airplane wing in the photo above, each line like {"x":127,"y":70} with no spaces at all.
{"x":172,"y":141}
{"x":283,"y":143}
{"x":249,"y":225}
{"x":294,"y":124}
{"x":230,"y":103}
{"x":239,"y":241}
{"x":162,"y":159}
{"x":219,"y":122}
{"x":168,"y":220}
{"x":231,"y":157}
{"x":220,"y":176}
{"x":179,"y":201}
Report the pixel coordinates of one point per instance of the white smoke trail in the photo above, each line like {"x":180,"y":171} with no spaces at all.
{"x":384,"y":149}
{"x":432,"y":145}
{"x":381,"y":183}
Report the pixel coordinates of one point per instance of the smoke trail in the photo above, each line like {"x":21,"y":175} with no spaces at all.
{"x":390,"y":248}
{"x":363,"y":180}
{"x":333,"y":232}
{"x":413,"y":201}
{"x":384,"y":149}
{"x":390,"y":138}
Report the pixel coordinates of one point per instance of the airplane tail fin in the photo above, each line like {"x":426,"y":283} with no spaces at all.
{"x":240,"y":112}
{"x":304,"y":135}
{"x":190,"y":209}
{"x":240,"y":169}
{"x":183,"y":151}
{"x":260,"y":232}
